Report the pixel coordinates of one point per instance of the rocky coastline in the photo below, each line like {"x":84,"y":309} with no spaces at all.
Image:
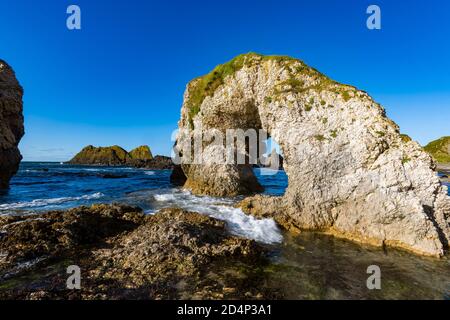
{"x":123,"y":253}
{"x":351,"y":175}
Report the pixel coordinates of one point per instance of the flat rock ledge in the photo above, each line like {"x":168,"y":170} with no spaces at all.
{"x":123,"y":254}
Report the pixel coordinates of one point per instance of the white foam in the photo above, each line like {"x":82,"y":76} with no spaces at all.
{"x":150,"y":173}
{"x":45,"y":202}
{"x":240,"y":224}
{"x":164,"y":197}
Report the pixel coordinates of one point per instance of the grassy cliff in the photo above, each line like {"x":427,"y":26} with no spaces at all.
{"x":439,"y":149}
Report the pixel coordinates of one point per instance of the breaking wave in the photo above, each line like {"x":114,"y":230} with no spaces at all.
{"x":48,"y":202}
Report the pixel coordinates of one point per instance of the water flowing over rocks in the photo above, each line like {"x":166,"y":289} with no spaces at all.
{"x":350,"y":171}
{"x":11,"y":123}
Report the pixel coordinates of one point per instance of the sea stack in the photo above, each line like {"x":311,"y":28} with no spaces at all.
{"x":141,"y":153}
{"x":112,"y":156}
{"x":108,"y":156}
{"x":350,"y":172}
{"x":11,"y":123}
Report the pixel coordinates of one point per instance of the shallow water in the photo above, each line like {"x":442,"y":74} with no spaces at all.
{"x":305,"y":266}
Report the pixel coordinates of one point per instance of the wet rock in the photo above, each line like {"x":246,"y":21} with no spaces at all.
{"x":26,"y":238}
{"x":349,"y":170}
{"x":113,"y":176}
{"x":11,"y":123}
{"x":177,"y":178}
{"x":171,"y":245}
{"x":124,"y":254}
{"x":157,"y":163}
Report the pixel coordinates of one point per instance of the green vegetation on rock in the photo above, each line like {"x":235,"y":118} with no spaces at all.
{"x":141,"y":153}
{"x":206,"y":85}
{"x":439,"y":149}
{"x":112,"y":156}
{"x":405,"y":137}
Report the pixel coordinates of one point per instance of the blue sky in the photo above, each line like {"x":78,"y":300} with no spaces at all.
{"x":120,"y":80}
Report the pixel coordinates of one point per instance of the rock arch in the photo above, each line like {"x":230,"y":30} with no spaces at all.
{"x":349,"y":171}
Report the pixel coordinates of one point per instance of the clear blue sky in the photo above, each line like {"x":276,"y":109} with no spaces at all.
{"x":120,"y":79}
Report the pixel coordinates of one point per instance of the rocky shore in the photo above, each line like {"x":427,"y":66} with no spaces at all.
{"x":123,"y":254}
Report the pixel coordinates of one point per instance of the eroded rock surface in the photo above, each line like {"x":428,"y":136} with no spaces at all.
{"x":350,"y":171}
{"x":122,"y":253}
{"x":11,"y":123}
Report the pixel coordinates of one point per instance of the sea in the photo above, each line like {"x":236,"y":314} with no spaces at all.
{"x":303,"y":266}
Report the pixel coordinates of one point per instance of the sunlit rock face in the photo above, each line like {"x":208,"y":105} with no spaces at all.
{"x":350,"y":172}
{"x":11,"y":123}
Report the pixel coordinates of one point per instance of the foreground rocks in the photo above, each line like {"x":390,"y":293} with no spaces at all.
{"x":122,"y":253}
{"x":11,"y":123}
{"x":351,"y":173}
{"x":111,"y":156}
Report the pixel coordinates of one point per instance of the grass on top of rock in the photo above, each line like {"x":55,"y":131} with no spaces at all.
{"x":405,"y":137}
{"x":206,"y":85}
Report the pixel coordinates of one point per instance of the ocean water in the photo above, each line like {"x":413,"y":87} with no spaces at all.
{"x":40,"y":186}
{"x":305,"y":266}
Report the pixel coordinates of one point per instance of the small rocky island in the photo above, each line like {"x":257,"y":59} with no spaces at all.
{"x":110,"y":156}
{"x":140,"y":157}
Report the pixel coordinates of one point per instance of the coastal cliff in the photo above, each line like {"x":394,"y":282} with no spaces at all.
{"x":11,"y":123}
{"x":350,"y":171}
{"x":439,"y":149}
